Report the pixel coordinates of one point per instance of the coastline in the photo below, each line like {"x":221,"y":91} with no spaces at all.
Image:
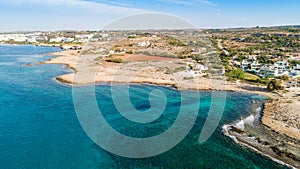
{"x":226,"y":128}
{"x":253,"y":134}
{"x":69,"y":58}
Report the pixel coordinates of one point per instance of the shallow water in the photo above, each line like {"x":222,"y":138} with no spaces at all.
{"x":39,"y":127}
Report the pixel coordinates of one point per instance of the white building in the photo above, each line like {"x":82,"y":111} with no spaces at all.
{"x":68,"y":40}
{"x":282,"y":67}
{"x":31,"y":40}
{"x":112,"y":52}
{"x":56,"y":40}
{"x":4,"y":38}
{"x":19,"y":38}
{"x":255,"y":66}
{"x":252,"y":57}
{"x":195,"y":68}
{"x":41,"y":38}
{"x":245,"y":65}
{"x":104,"y":35}
{"x":295,"y":72}
{"x":144,"y":44}
{"x":89,"y":36}
{"x":83,"y":38}
{"x":94,"y":39}
{"x":78,"y":36}
{"x":237,"y":63}
{"x":296,"y":68}
{"x":267,"y":71}
{"x":200,"y":67}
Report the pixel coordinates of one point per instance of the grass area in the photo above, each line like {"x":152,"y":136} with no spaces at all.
{"x":251,"y":77}
{"x":246,"y":77}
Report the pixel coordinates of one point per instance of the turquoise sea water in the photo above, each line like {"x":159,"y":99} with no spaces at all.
{"x":39,"y":127}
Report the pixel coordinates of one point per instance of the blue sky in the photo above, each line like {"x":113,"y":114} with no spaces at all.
{"x":18,"y":15}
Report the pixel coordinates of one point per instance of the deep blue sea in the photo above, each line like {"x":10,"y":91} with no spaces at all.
{"x":39,"y":126}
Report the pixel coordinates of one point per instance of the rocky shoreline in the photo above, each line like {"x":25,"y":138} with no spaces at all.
{"x":228,"y":131}
{"x":251,"y":133}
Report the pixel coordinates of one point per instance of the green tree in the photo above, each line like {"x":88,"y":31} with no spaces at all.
{"x":236,"y":73}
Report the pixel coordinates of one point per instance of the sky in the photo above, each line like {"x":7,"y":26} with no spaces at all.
{"x":43,"y":15}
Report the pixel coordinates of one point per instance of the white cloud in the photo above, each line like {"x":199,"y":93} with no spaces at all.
{"x":189,"y":3}
{"x":97,"y":7}
{"x":60,"y":14}
{"x":72,"y":14}
{"x":207,"y":2}
{"x":52,"y":2}
{"x":116,"y":3}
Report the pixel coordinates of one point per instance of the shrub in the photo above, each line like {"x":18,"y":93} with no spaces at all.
{"x":182,"y":57}
{"x":275,"y":85}
{"x":98,"y":59}
{"x":188,"y":78}
{"x":284,"y":77}
{"x":115,"y":60}
{"x":129,"y":52}
{"x":179,"y":69}
{"x":206,"y":76}
{"x":175,"y":42}
{"x":168,"y":71}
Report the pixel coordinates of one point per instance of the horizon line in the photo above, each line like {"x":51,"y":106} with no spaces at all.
{"x":152,"y":29}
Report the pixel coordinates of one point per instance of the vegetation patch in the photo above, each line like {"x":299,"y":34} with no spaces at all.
{"x":98,"y":59}
{"x":114,"y":60}
{"x":236,"y":74}
{"x":275,"y":85}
